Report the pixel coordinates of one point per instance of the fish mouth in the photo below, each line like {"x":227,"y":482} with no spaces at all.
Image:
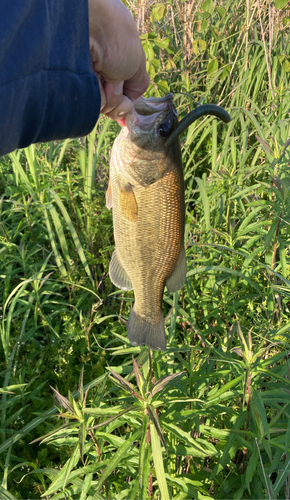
{"x":146,"y":111}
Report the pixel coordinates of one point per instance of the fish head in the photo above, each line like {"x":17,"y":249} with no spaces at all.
{"x":141,"y":146}
{"x":151,"y":121}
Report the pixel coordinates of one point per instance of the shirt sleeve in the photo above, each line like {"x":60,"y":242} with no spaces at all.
{"x":48,"y":89}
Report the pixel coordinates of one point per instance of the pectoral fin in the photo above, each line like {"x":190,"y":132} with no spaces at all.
{"x":128,"y":203}
{"x":118,"y":274}
{"x":109,"y":196}
{"x":178,"y":276}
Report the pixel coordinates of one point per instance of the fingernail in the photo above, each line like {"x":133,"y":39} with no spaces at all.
{"x":118,"y":88}
{"x":121,"y":114}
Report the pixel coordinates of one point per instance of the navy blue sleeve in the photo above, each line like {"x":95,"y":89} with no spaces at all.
{"x":48,"y":89}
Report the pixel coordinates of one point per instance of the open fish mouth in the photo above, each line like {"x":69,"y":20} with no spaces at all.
{"x":154,"y":110}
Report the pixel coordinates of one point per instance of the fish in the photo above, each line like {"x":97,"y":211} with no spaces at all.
{"x":146,"y":193}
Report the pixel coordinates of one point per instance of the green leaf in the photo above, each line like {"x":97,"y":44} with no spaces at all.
{"x":60,"y":233}
{"x":158,"y":463}
{"x":82,"y":438}
{"x":251,"y":467}
{"x":86,"y":486}
{"x":270,"y":233}
{"x":70,"y":465}
{"x":221,"y":11}
{"x":158,"y":11}
{"x":110,"y":419}
{"x":212,"y":66}
{"x":5,"y":495}
{"x":202,"y":27}
{"x":286,"y":66}
{"x":149,"y":52}
{"x":280,"y":4}
{"x":17,"y":167}
{"x":162,"y":42}
{"x":202,"y":45}
{"x":118,"y":455}
{"x":185,"y":436}
{"x":154,"y":419}
{"x":208,"y":6}
{"x":62,"y":477}
{"x":163,"y":86}
{"x":195,"y":48}
{"x":282,"y":477}
{"x":205,"y":201}
{"x":142,"y":453}
{"x":55,"y":433}
{"x":226,"y":457}
{"x":282,"y":255}
{"x":58,"y":258}
{"x":198,"y":45}
{"x":259,"y":414}
{"x":218,"y":394}
{"x":75,"y":237}
{"x":287,"y":438}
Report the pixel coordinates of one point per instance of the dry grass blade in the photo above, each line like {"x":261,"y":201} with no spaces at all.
{"x":81,"y":386}
{"x":124,"y":383}
{"x":63,"y":401}
{"x":160,"y":384}
{"x":139,"y":377}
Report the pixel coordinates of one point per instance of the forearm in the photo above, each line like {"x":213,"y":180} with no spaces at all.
{"x":47,"y":86}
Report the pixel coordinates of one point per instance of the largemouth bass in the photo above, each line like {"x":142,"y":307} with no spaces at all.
{"x":146,"y":192}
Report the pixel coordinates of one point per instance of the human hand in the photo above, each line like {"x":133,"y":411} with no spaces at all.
{"x":117,"y":56}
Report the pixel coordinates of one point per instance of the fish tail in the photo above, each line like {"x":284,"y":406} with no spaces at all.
{"x":141,"y":332}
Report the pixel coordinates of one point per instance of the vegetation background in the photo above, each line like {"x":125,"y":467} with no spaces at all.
{"x":210,"y":417}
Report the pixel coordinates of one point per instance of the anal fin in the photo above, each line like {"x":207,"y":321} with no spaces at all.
{"x":178,"y":276}
{"x":118,"y":275}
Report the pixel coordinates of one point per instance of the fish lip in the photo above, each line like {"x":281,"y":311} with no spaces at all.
{"x":157,"y":99}
{"x":152,"y":105}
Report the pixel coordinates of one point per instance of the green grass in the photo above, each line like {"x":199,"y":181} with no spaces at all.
{"x":209,"y":418}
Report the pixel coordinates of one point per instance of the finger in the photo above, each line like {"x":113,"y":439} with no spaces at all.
{"x":121,"y":111}
{"x":102,"y":92}
{"x":114,"y":96}
{"x":139,"y":83}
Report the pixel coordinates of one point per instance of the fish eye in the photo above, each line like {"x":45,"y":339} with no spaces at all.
{"x":165,"y":129}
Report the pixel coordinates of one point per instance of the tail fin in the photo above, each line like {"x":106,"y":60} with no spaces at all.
{"x":141,"y":332}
